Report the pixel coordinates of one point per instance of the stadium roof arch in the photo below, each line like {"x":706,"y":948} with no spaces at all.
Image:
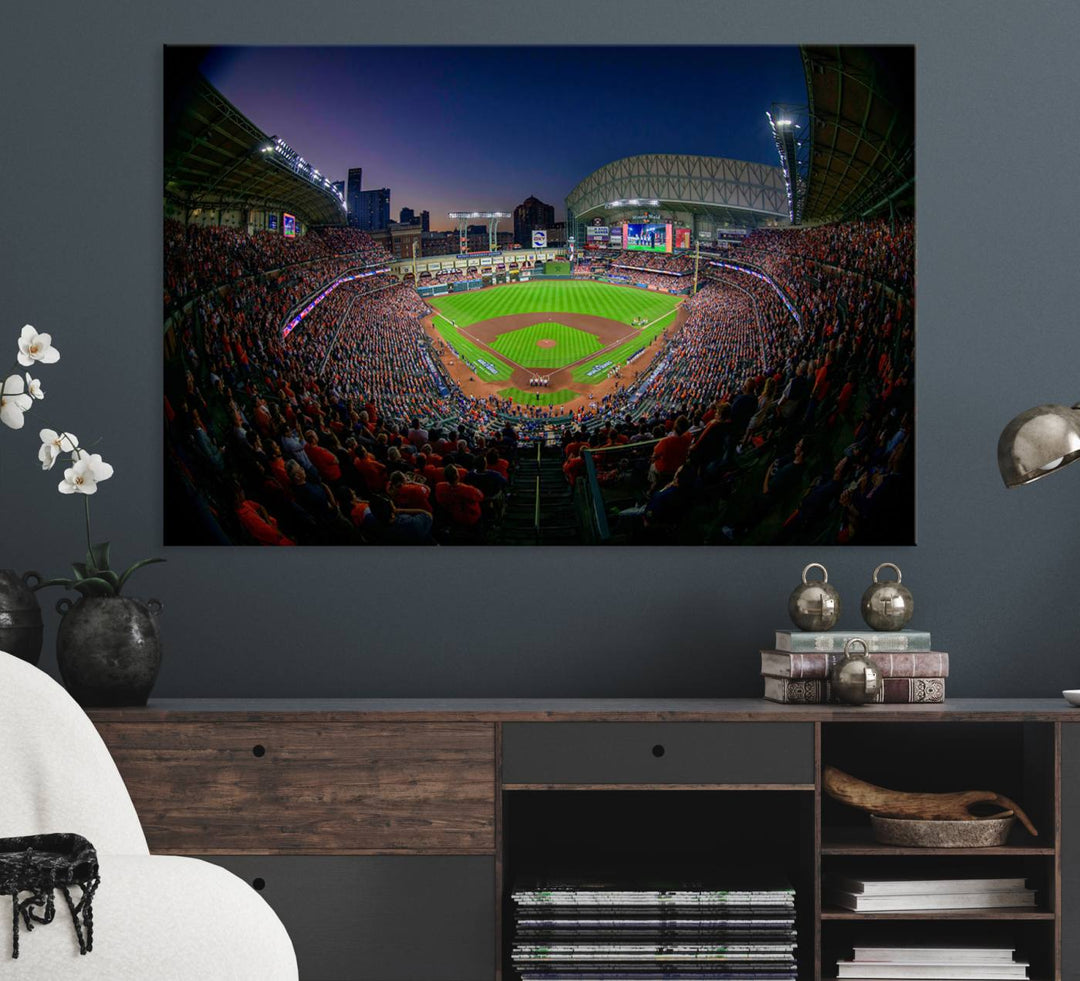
{"x":861,"y":113}
{"x":729,"y":192}
{"x":215,"y":157}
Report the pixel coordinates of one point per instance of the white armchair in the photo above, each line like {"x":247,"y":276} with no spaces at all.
{"x":156,"y":918}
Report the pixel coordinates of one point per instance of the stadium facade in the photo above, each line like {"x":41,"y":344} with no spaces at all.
{"x":705,"y":194}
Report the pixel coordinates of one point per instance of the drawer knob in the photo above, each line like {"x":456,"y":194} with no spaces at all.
{"x":258,"y":884}
{"x":658,"y":750}
{"x":258,"y":750}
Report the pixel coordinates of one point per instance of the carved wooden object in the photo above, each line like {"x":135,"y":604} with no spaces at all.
{"x":901,"y":804}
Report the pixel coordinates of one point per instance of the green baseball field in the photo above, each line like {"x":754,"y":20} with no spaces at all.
{"x":577,"y":329}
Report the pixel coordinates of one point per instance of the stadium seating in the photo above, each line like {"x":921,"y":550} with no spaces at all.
{"x":799,"y":416}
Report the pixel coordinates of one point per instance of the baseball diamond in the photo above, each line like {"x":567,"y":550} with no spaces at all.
{"x":573,"y":334}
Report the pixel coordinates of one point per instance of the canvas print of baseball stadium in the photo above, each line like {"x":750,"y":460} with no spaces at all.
{"x":603,"y":309}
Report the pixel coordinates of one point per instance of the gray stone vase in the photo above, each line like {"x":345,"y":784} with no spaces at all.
{"x":21,"y":628}
{"x":108,"y":649}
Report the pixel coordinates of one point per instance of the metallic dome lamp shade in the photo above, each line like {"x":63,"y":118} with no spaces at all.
{"x":1037,"y":442}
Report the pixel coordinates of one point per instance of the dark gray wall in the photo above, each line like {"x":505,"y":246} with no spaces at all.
{"x":994,"y":575}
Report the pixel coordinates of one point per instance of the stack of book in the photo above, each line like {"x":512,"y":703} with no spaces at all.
{"x":903,"y":894}
{"x":579,"y":931}
{"x":938,"y":963}
{"x":796,"y":671}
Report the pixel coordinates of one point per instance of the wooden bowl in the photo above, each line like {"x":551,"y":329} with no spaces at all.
{"x":913,"y":832}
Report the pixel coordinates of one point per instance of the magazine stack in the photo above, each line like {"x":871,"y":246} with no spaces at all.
{"x":582,"y":931}
{"x":916,"y":963}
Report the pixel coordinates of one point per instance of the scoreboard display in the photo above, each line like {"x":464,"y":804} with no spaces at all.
{"x":288,"y":225}
{"x":682,"y":238}
{"x":599,"y":236}
{"x":649,"y":238}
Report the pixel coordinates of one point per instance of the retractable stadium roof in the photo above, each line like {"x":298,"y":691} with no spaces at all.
{"x":731,"y":191}
{"x":862,"y":116}
{"x":215,"y":157}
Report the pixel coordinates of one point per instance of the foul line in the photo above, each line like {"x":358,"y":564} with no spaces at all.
{"x":596,"y":355}
{"x":476,"y":340}
{"x":637,"y":331}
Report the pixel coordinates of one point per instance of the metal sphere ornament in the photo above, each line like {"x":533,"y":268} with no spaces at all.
{"x":887,"y":605}
{"x":814,"y":605}
{"x":855,"y":679}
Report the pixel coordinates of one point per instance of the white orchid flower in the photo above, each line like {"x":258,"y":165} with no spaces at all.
{"x":53,"y":444}
{"x":14,"y":401}
{"x":36,"y":347}
{"x":83,"y":476}
{"x":33,"y":387}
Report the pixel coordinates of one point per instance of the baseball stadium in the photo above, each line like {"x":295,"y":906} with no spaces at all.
{"x":718,"y":351}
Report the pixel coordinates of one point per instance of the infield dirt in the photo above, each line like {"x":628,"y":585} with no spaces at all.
{"x":611,"y":333}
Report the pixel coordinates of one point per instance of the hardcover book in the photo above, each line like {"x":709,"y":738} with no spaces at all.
{"x":935,"y":955}
{"x":979,"y":900}
{"x":917,"y":887}
{"x":816,"y":664}
{"x":968,"y":971}
{"x":895,"y":691}
{"x":833,"y":641}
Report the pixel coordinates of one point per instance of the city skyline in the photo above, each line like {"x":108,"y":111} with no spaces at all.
{"x":563,"y":113}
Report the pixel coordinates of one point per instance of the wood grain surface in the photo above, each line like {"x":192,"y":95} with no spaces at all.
{"x":214,"y":787}
{"x":281,"y":710}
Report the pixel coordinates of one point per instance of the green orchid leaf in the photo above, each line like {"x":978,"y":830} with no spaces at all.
{"x":97,"y":559}
{"x":110,"y":577}
{"x":94,"y":587}
{"x":66,"y":583}
{"x":80,"y":570}
{"x":134,"y":568}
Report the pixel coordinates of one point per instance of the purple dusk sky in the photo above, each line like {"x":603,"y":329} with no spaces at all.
{"x":482,"y":128}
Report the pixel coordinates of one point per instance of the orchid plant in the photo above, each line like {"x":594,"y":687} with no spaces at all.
{"x":18,"y":394}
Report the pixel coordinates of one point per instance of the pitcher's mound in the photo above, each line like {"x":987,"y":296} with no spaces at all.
{"x":546,"y":342}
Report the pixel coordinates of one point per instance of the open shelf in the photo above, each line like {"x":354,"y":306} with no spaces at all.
{"x":710,"y":836}
{"x":710,"y":828}
{"x":1003,"y":913}
{"x":860,"y":841}
{"x":1016,"y":759}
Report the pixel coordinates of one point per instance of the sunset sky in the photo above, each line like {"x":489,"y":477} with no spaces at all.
{"x":482,"y":128}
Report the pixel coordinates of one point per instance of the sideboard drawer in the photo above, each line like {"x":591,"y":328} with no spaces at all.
{"x":381,"y":918}
{"x":230,"y":788}
{"x":698,"y":753}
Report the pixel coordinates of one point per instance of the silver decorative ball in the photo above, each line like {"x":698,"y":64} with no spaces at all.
{"x":856,"y":680}
{"x":814,"y":605}
{"x":887,"y":605}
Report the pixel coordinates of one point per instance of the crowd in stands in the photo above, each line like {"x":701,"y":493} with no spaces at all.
{"x":797,"y":431}
{"x":876,"y":248}
{"x":269,"y":451}
{"x":199,"y":258}
{"x":793,"y":428}
{"x":655,"y":281}
{"x":672,"y":263}
{"x":352,"y":241}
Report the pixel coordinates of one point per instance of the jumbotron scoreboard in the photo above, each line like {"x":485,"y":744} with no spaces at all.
{"x":637,"y":237}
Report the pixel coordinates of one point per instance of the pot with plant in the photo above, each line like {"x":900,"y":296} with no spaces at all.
{"x":108,"y":646}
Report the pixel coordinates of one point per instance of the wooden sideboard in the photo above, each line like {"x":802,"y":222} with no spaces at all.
{"x":387,"y":833}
